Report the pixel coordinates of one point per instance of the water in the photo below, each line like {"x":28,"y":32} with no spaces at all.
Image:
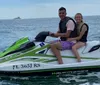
{"x":12,"y":30}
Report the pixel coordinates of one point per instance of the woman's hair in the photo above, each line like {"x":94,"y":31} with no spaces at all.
{"x":80,"y":15}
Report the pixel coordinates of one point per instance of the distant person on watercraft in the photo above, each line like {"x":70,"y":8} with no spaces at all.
{"x":82,"y":29}
{"x":67,"y":29}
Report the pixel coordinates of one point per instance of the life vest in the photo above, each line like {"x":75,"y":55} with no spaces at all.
{"x":84,"y":37}
{"x":63,"y":28}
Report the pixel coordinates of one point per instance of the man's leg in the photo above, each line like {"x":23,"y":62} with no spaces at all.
{"x":61,"y":45}
{"x":55,"y":48}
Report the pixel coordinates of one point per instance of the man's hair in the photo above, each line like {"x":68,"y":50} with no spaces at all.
{"x":62,"y":8}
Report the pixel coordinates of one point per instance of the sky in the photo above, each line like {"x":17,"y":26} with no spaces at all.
{"x":10,"y":9}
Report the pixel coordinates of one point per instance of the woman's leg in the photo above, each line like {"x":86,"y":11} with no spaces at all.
{"x":55,"y":49}
{"x":74,"y":49}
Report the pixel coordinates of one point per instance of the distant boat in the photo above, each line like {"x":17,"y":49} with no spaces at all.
{"x":17,"y":18}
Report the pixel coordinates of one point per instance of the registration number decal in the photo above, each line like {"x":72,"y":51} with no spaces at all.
{"x":23,"y":66}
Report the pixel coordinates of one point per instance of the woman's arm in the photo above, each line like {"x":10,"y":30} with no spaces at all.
{"x":84,"y":29}
{"x":63,"y":34}
{"x":67,"y":34}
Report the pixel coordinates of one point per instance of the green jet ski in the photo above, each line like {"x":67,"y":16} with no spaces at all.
{"x":28,"y":57}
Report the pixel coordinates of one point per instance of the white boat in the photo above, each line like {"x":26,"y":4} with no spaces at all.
{"x":25,"y":57}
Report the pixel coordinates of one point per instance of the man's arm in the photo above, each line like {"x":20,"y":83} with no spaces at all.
{"x":53,"y":34}
{"x":67,"y":34}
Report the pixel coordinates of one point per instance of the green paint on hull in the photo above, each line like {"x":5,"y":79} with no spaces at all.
{"x":33,"y":51}
{"x":15,"y":46}
{"x":51,"y":56}
{"x":52,"y":60}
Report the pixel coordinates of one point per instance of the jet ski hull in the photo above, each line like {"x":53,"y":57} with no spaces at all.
{"x":38,"y":58}
{"x":36,"y":68}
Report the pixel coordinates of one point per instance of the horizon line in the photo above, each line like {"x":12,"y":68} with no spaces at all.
{"x":41,"y":17}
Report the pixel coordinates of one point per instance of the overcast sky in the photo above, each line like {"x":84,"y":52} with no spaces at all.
{"x":46,"y":8}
